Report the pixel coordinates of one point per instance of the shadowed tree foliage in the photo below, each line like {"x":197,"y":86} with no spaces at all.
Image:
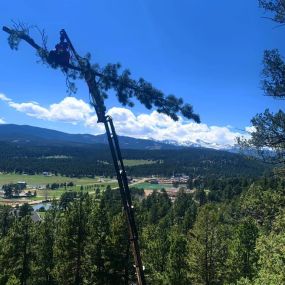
{"x":273,"y":81}
{"x":269,"y":127}
{"x":16,"y":252}
{"x":269,"y":133}
{"x":6,"y":219}
{"x":276,"y":8}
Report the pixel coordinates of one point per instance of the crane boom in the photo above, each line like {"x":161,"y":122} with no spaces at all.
{"x":118,"y":162}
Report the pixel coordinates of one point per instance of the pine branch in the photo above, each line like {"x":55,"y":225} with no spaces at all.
{"x":109,"y":78}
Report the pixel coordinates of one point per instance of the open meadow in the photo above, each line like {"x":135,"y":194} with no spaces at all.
{"x":38,"y":182}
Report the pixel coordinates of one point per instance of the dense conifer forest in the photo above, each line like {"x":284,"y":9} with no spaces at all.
{"x":200,"y":238}
{"x":89,"y":160}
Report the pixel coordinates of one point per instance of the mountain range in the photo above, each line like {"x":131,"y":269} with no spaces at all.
{"x":24,"y":134}
{"x":34,"y":150}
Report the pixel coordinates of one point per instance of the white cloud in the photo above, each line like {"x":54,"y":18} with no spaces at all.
{"x":154,"y":125}
{"x":4,"y":98}
{"x":69,"y":110}
{"x":161,"y":127}
{"x":250,"y":129}
{"x":2,"y":121}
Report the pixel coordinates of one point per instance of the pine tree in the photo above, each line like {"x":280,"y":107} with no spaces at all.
{"x":184,"y":211}
{"x":177,"y":267}
{"x":6,"y":219}
{"x":155,"y":246}
{"x":208,"y":247}
{"x":200,"y":197}
{"x":99,"y":225}
{"x":118,"y":252}
{"x":44,"y":247}
{"x":70,"y":244}
{"x":17,"y":251}
{"x":243,"y":256}
{"x":270,"y":248}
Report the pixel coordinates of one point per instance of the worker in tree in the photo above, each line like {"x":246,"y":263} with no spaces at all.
{"x":60,"y":56}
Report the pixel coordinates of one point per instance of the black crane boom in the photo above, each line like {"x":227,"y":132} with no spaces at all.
{"x":98,"y":103}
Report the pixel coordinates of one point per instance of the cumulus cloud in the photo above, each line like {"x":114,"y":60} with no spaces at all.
{"x":161,"y":127}
{"x":69,"y":110}
{"x":4,"y":98}
{"x":146,"y":126}
{"x":2,"y":121}
{"x":250,"y":129}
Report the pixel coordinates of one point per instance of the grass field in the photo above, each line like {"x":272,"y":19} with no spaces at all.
{"x":58,"y":192}
{"x":149,"y":186}
{"x":34,"y":180}
{"x":135,"y":162}
{"x":41,"y":179}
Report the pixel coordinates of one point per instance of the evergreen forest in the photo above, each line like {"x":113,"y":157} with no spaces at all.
{"x":230,"y":234}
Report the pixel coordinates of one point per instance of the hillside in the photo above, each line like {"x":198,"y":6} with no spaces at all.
{"x":94,"y":159}
{"x":29,"y":135}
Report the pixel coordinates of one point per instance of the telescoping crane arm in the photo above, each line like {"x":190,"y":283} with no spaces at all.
{"x":98,"y":103}
{"x":60,"y":57}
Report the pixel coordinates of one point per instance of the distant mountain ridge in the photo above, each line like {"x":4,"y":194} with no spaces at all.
{"x":201,"y":143}
{"x":25,"y":134}
{"x":23,"y":149}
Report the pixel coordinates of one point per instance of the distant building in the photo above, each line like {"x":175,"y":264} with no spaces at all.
{"x":181,"y":179}
{"x":153,"y":181}
{"x":171,"y":192}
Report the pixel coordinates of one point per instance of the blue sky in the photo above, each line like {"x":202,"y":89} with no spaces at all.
{"x":207,"y":52}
